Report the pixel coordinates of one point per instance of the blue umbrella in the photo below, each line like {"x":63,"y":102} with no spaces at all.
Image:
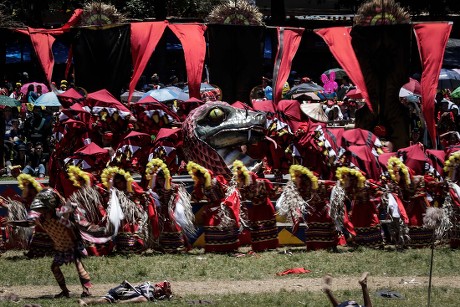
{"x":163,"y":94}
{"x":204,"y":87}
{"x":448,"y":79}
{"x":49,"y":99}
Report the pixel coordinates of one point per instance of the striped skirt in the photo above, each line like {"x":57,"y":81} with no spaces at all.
{"x":220,"y":240}
{"x":320,"y":236}
{"x":369,"y":236}
{"x":264,"y":235}
{"x":420,"y":237}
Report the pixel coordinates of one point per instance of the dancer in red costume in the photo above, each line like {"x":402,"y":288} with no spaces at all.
{"x":411,"y":191}
{"x":307,"y":198}
{"x":175,"y":216}
{"x":365,"y":199}
{"x":261,"y":212}
{"x":221,"y":215}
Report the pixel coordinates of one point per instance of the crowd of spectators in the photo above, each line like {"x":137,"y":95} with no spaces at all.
{"x":27,"y":130}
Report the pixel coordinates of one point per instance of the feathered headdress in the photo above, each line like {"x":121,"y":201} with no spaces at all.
{"x":238,"y":169}
{"x":395,"y":165}
{"x":194,"y":168}
{"x":299,"y":170}
{"x":153,"y":168}
{"x":380,"y":12}
{"x":344,"y":171}
{"x":23,"y":179}
{"x":75,"y":173}
{"x":236,"y":12}
{"x":109,"y":173}
{"x":451,"y":165}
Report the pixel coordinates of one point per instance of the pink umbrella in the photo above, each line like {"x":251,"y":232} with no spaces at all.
{"x":354,"y":94}
{"x":413,"y":86}
{"x":26,"y":86}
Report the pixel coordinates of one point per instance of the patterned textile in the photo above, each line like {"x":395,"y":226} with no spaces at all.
{"x":420,"y":237}
{"x":129,"y":242}
{"x":369,"y":236}
{"x":41,"y":244}
{"x":220,"y":240}
{"x":320,"y":235}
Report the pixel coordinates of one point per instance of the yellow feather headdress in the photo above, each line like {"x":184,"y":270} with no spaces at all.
{"x":343,"y":171}
{"x":75,"y":173}
{"x":194,"y":168}
{"x":394,"y":165}
{"x":109,"y":173}
{"x":299,"y":170}
{"x":23,"y":178}
{"x":240,"y":168}
{"x":452,"y":163}
{"x":153,"y":167}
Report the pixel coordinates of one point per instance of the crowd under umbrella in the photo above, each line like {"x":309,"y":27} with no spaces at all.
{"x":49,"y":99}
{"x":204,"y":87}
{"x":137,"y":95}
{"x":455,"y":93}
{"x":25,"y":87}
{"x":9,"y":102}
{"x":339,"y":72}
{"x":413,"y":86}
{"x":305,"y":88}
{"x":448,"y":79}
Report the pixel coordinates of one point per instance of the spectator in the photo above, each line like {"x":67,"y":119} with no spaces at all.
{"x":64,"y":85}
{"x":21,"y":157}
{"x":34,"y":127}
{"x":268,"y":91}
{"x":13,"y":131}
{"x":16,"y":94}
{"x":39,"y":160}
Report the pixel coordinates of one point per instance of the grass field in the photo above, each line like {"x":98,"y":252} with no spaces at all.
{"x":16,"y":270}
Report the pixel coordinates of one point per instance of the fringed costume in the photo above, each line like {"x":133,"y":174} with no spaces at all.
{"x":260,"y":212}
{"x":365,"y":199}
{"x":89,"y":213}
{"x":452,"y":201}
{"x":221,"y":215}
{"x":175,"y":214}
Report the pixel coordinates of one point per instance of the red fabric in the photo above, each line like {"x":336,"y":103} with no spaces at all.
{"x":286,"y":52}
{"x":339,"y":41}
{"x":432,"y":40}
{"x":193,"y":43}
{"x":402,"y":210}
{"x":294,"y":271}
{"x":144,"y":39}
{"x":43,"y":44}
{"x":42,"y":41}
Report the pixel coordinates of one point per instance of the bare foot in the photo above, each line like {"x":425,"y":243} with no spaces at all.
{"x":363,"y":280}
{"x":82,"y":302}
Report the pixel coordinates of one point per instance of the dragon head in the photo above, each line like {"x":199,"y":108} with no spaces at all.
{"x":215,"y":131}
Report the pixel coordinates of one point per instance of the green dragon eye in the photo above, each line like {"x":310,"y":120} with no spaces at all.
{"x":216,"y":114}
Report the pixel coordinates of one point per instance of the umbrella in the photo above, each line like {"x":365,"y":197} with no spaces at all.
{"x":49,"y":99}
{"x":354,"y":93}
{"x":9,"y":102}
{"x":413,"y":86}
{"x":305,"y":88}
{"x":204,"y":87}
{"x":162,"y":94}
{"x":137,"y":95}
{"x":448,"y":79}
{"x":26,"y":86}
{"x":455,"y":93}
{"x":310,"y":96}
{"x":339,"y":72}
{"x":314,"y":111}
{"x":405,"y":93}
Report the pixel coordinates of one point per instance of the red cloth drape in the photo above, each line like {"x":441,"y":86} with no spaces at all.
{"x":144,"y":39}
{"x":43,"y":39}
{"x":339,"y":41}
{"x":193,"y":43}
{"x":432,"y":40}
{"x":288,"y":43}
{"x":43,"y":44}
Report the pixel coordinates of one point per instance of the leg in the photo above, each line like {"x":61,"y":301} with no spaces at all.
{"x":56,"y":269}
{"x":92,"y":301}
{"x":363,"y":283}
{"x":327,"y":289}
{"x":41,"y":171}
{"x":84,"y":278}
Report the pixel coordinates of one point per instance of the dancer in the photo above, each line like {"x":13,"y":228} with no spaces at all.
{"x":221,"y":215}
{"x":261,"y":212}
{"x":365,"y":199}
{"x":362,"y":282}
{"x":48,"y":212}
{"x":174,"y":208}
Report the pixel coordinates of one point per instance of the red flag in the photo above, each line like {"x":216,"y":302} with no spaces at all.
{"x":192,"y":39}
{"x":288,"y":43}
{"x":339,"y":41}
{"x":294,"y":271}
{"x":432,"y":40}
{"x":144,"y":39}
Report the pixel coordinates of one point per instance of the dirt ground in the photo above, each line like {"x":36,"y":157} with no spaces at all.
{"x":287,"y":283}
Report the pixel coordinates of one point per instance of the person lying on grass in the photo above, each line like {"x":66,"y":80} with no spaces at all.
{"x":126,"y":293}
{"x":362,"y":281}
